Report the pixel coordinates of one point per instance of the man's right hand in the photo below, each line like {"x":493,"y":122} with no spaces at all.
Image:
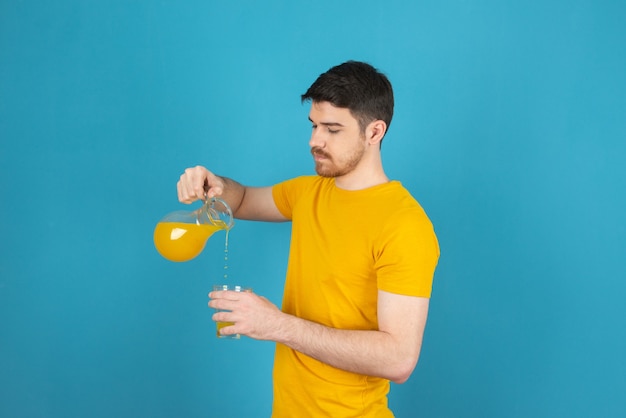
{"x":198,"y":183}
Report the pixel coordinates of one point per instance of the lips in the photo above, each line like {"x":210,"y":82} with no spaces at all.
{"x":319,"y":154}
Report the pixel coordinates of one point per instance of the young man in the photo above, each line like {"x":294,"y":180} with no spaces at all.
{"x":362,"y":258}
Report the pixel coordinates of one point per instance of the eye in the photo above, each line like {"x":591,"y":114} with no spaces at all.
{"x":333,"y":131}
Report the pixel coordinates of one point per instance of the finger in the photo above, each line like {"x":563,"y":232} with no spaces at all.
{"x":229,"y":330}
{"x":226,"y":295}
{"x":213,"y":186}
{"x":200,"y":186}
{"x":222,"y":316}
{"x":216,"y":294}
{"x":195,"y":183}
{"x":223,"y":304}
{"x":192,"y":179}
{"x":178,"y":192}
{"x":183,"y":188}
{"x":230,"y":295}
{"x":182,"y":194}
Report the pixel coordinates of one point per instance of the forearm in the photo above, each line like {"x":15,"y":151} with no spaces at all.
{"x":368,"y":352}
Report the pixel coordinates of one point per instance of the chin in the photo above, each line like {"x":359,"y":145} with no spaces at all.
{"x":328,"y":173}
{"x":324,"y":172}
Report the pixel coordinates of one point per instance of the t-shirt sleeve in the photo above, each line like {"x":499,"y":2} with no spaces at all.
{"x":287,"y":193}
{"x":407,"y":256}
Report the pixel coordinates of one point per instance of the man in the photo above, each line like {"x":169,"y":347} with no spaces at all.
{"x":361,"y":263}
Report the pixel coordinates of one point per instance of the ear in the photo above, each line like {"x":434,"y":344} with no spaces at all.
{"x":375,"y":132}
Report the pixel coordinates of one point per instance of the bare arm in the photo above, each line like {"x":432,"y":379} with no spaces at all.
{"x":390,"y":352}
{"x":252,"y":203}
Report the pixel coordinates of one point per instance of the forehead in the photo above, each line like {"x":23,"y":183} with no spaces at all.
{"x":326,"y":112}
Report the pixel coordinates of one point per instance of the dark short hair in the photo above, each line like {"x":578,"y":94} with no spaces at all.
{"x":357,"y":86}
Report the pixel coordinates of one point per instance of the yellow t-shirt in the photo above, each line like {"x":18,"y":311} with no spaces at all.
{"x":345,"y":246}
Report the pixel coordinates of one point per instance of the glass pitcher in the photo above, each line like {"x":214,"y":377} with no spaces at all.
{"x":182,"y":235}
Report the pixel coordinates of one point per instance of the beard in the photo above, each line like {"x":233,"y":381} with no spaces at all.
{"x":337,"y":167}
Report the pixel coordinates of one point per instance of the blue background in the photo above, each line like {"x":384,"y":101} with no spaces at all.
{"x":510,"y":129}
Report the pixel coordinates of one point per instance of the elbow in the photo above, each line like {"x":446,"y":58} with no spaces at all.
{"x":403,"y":370}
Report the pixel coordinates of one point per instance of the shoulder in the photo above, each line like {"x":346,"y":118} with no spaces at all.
{"x":301,"y":184}
{"x":286,"y":194}
{"x":400,"y":201}
{"x":299,"y":181}
{"x":405,"y":215}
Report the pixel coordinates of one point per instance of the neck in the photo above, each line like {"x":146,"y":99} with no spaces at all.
{"x":367,"y":174}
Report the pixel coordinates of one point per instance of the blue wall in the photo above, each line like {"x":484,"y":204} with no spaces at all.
{"x":510,"y":129}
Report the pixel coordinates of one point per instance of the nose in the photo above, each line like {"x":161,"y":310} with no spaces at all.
{"x":316,"y":139}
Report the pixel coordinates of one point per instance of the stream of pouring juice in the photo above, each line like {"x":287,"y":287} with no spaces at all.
{"x":178,"y":241}
{"x":219,"y":324}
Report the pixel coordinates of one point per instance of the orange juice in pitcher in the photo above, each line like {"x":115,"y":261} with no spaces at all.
{"x":181,"y":236}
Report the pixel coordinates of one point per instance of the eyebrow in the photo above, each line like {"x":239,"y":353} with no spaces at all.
{"x":327,"y":123}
